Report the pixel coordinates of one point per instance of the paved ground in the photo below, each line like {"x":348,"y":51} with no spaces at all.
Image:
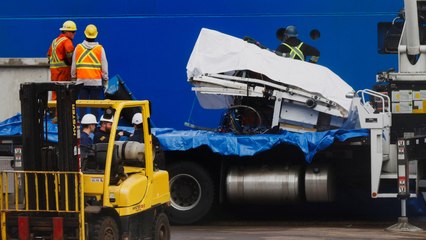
{"x":292,"y":230}
{"x":358,"y":221}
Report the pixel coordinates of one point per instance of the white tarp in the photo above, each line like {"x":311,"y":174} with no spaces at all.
{"x":215,"y":52}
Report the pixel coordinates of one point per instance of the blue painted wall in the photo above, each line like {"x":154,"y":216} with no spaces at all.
{"x":149,"y":43}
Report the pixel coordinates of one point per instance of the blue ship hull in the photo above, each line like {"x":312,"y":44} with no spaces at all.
{"x":148,"y":43}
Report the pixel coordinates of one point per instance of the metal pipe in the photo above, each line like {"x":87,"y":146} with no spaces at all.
{"x":403,"y":208}
{"x":412,"y":27}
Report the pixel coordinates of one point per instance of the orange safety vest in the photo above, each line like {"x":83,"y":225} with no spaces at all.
{"x":57,"y":53}
{"x":88,"y":62}
{"x":57,"y":61}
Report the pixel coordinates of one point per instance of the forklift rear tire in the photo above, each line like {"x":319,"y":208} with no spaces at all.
{"x":104,"y":227}
{"x":161,"y":229}
{"x":191,"y":192}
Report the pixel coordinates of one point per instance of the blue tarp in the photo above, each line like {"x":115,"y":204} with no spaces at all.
{"x":223,"y":143}
{"x":12,"y":126}
{"x":248,"y":145}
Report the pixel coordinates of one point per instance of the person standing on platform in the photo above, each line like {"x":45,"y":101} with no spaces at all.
{"x":60,"y":56}
{"x":90,"y":67}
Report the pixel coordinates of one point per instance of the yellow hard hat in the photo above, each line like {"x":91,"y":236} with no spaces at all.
{"x":69,"y":26}
{"x":91,"y":31}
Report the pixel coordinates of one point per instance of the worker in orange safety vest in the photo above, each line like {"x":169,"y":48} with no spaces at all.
{"x":60,"y":54}
{"x":90,"y":67}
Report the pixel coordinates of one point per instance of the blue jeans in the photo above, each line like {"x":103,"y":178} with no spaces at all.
{"x":91,"y":93}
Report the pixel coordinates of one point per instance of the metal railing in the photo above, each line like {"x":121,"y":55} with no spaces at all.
{"x":383,"y":99}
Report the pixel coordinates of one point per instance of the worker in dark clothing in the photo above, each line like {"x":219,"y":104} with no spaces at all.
{"x":137,"y":135}
{"x":89,"y":125}
{"x":103,"y":132}
{"x":293,"y":47}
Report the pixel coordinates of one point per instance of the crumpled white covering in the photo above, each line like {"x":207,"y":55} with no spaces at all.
{"x":215,"y":52}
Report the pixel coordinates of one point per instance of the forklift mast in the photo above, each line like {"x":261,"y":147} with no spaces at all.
{"x":38,"y":154}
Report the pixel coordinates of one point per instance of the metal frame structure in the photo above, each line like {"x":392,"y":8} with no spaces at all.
{"x":306,"y":102}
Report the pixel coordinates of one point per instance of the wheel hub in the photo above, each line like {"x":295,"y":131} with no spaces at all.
{"x":185,"y":192}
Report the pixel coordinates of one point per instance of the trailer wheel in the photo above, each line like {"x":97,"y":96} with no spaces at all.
{"x":191,"y":191}
{"x":161,"y":229}
{"x":104,"y":227}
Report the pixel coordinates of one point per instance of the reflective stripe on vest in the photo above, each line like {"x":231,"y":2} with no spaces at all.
{"x":295,"y":51}
{"x":88,"y":62}
{"x":55,"y":62}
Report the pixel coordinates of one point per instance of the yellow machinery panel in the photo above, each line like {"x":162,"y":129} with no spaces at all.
{"x":124,"y":194}
{"x":160,"y":184}
{"x":94,"y":184}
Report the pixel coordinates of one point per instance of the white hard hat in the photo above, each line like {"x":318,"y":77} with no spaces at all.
{"x":110,"y":120}
{"x":137,"y":118}
{"x":89,"y":119}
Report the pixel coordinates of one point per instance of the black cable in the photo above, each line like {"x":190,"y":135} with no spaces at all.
{"x":232,"y":121}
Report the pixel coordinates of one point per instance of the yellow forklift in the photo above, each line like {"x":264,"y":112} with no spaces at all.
{"x":113,"y":192}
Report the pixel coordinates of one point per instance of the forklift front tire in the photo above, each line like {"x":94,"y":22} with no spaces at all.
{"x":104,"y":227}
{"x":161,"y":229}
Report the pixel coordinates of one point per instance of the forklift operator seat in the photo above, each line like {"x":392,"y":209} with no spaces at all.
{"x":97,"y":158}
{"x":101,"y":152}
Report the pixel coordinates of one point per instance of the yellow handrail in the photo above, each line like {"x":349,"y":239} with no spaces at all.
{"x":16,"y":190}
{"x":66,"y":192}
{"x":7,"y":191}
{"x":46,"y":179}
{"x":61,"y":195}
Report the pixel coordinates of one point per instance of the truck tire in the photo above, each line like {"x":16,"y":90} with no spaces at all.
{"x":191,"y":191}
{"x":161,"y":227}
{"x":104,"y":227}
